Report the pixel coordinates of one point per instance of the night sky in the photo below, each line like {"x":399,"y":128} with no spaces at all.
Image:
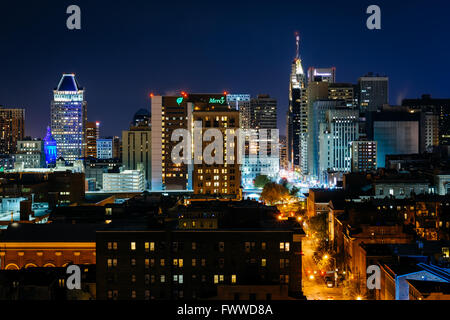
{"x":127,"y":49}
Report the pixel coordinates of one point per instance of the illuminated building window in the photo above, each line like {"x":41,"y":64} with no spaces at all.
{"x":263,"y":262}
{"x":149,"y":246}
{"x":178,"y":262}
{"x":284,"y":246}
{"x":112,"y":263}
{"x":163,"y":278}
{"x":233,"y":278}
{"x":194,"y":262}
{"x":162,"y":262}
{"x":133,"y":246}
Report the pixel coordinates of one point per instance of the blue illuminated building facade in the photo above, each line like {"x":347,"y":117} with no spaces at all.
{"x":68,"y":118}
{"x":50,"y":148}
{"x":104,"y":148}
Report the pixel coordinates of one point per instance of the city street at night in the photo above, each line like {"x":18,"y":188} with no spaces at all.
{"x":314,"y":287}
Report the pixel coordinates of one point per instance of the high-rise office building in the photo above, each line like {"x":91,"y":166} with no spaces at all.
{"x":297,"y":123}
{"x":317,"y":90}
{"x":241,"y":102}
{"x":364,"y":156}
{"x":170,"y":113}
{"x":116,"y":147}
{"x":395,"y":133}
{"x":92,"y":135}
{"x":12,"y":129}
{"x":429,"y":131}
{"x":318,"y":113}
{"x":263,"y":113}
{"x":137,"y":149}
{"x":344,"y":92}
{"x":433,"y":107}
{"x":68,"y":118}
{"x":216,"y":179}
{"x":30,"y":154}
{"x":373,"y":92}
{"x":104,"y":149}
{"x":284,"y":163}
{"x":336,"y":135}
{"x":322,"y":74}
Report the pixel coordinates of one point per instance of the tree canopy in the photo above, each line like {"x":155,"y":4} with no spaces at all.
{"x":274,"y":192}
{"x":261,"y":181}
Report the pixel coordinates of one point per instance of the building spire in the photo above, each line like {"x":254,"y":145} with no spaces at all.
{"x":297,"y":43}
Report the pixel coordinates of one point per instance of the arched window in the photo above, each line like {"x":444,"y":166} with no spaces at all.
{"x":12,"y":266}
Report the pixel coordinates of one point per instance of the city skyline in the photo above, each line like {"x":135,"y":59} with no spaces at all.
{"x":194,"y":62}
{"x":205,"y":151}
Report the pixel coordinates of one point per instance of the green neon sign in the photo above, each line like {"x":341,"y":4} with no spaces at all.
{"x":219,"y":101}
{"x":179,"y":100}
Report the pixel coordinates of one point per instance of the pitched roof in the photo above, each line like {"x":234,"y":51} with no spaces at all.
{"x":68,"y":83}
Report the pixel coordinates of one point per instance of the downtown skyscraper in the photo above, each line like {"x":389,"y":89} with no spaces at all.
{"x":241,"y":102}
{"x":12,"y":129}
{"x":373,"y":92}
{"x":68,"y":118}
{"x":297,"y":122}
{"x":210,"y":111}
